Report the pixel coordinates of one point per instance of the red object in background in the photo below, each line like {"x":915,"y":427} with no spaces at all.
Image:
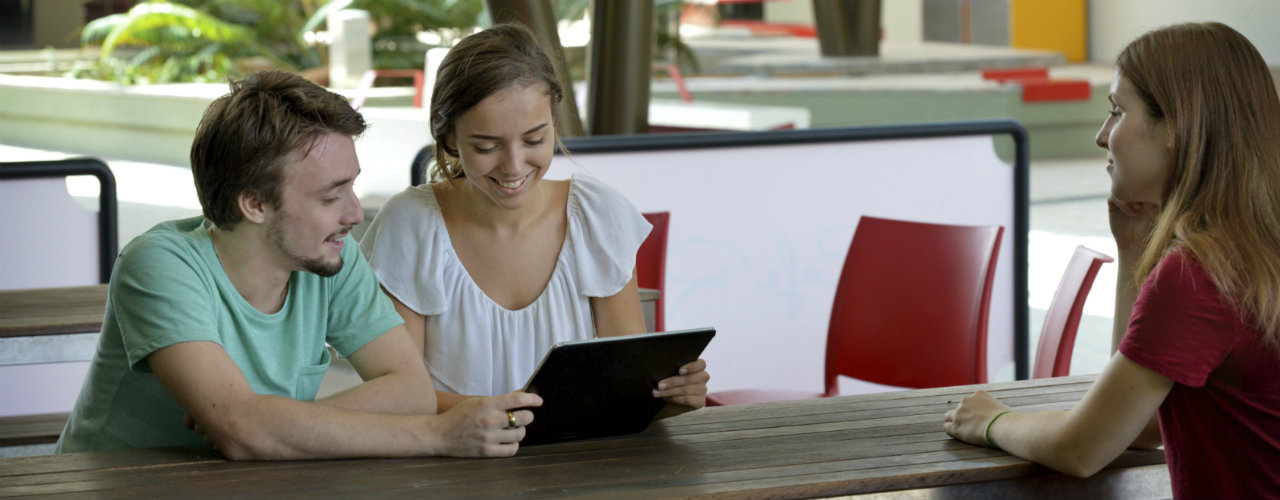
{"x":678,"y":78}
{"x":1004,"y":74}
{"x":366,"y":83}
{"x":910,"y":309}
{"x":762,"y":28}
{"x":651,"y":264}
{"x":1062,"y":319}
{"x":1054,"y":90}
{"x":1037,"y":86}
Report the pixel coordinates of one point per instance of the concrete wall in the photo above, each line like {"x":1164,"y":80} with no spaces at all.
{"x":57,"y":23}
{"x":795,"y":11}
{"x":144,"y":123}
{"x":1057,"y":129}
{"x":1112,"y":24}
{"x":899,"y":18}
{"x":156,"y":124}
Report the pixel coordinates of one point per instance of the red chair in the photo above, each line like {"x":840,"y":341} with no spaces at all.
{"x":651,"y":263}
{"x":1058,"y":336}
{"x":910,"y":309}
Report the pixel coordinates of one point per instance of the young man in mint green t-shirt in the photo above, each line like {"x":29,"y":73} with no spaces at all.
{"x":216,"y":326}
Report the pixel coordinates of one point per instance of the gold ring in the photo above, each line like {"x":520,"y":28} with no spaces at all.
{"x":511,"y":420}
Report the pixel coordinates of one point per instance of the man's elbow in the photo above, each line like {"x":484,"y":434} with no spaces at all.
{"x":241,"y":440}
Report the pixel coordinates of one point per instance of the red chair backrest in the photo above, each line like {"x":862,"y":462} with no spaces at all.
{"x":651,"y":263}
{"x":911,"y":306}
{"x":1062,"y":319}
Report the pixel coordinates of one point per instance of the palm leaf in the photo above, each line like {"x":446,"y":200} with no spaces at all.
{"x":158,"y":23}
{"x":98,"y":29}
{"x":181,"y":29}
{"x":322,"y":14}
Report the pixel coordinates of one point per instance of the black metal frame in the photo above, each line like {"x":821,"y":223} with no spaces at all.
{"x":1021,"y":179}
{"x":108,"y":218}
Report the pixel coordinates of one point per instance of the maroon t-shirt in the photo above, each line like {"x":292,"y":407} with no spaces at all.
{"x":1221,"y":421}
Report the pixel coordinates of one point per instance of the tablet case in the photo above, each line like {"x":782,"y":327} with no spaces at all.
{"x":604,"y":387}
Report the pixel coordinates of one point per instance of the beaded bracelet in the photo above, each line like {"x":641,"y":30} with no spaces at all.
{"x":987,"y":434}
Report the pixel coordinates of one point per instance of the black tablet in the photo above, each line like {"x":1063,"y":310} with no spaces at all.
{"x":604,"y":387}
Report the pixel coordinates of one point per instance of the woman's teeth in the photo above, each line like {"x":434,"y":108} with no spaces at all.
{"x":512,"y":184}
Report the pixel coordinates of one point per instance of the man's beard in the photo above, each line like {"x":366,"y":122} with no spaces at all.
{"x":316,"y":265}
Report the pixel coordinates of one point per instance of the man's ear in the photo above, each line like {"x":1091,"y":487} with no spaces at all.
{"x":252,"y":207}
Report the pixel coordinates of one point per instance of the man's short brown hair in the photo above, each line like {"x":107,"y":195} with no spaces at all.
{"x":245,"y":136}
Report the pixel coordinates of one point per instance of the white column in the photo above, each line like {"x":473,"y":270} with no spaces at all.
{"x":351,"y":53}
{"x":430,"y":67}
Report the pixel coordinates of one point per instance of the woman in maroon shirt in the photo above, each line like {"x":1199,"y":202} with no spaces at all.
{"x":1193,"y":149}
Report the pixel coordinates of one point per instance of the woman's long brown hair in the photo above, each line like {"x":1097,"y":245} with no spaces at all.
{"x":1221,"y":201}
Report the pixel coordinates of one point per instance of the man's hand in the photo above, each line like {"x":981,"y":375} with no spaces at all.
{"x":482,"y":427}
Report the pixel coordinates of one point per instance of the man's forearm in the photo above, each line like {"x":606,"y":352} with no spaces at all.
{"x":277,"y":428}
{"x":403,"y":394}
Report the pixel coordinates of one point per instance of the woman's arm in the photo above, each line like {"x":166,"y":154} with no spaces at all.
{"x":395,"y":380}
{"x":1131,"y":225}
{"x":1114,"y":414}
{"x":621,"y":314}
{"x":417,"y":326}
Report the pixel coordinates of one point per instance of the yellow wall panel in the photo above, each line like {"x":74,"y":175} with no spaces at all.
{"x":1058,"y":25}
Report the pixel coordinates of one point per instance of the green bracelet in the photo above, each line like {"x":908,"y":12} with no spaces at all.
{"x":987,"y":433}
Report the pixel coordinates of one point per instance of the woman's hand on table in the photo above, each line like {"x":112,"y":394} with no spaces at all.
{"x":968,"y":421}
{"x":689,"y":388}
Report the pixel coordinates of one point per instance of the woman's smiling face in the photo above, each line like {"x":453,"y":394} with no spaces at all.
{"x":1139,"y":147}
{"x":506,"y":142}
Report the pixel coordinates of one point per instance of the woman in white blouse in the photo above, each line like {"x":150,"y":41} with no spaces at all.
{"x":490,"y":265}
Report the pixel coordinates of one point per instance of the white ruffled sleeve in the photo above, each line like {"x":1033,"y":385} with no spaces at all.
{"x":606,"y":231}
{"x":405,"y":245}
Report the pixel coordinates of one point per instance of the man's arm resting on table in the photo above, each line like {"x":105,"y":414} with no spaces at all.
{"x":395,"y":380}
{"x":1116,"y":413}
{"x":416,"y":326}
{"x":244,"y":425}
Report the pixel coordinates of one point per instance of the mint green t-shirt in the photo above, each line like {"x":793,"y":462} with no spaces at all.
{"x":168,"y":287}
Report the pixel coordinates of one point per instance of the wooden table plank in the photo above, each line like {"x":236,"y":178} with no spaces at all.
{"x":52,"y":310}
{"x":21,"y":430}
{"x":851,"y":445}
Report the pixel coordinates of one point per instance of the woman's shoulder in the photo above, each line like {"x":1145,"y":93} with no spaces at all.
{"x":1180,"y":265}
{"x":409,"y":219}
{"x":420,"y":197}
{"x":410,"y":206}
{"x":1180,"y":281}
{"x":589,"y":196}
{"x":605,"y":231}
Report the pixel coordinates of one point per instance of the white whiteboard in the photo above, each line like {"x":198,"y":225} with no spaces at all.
{"x":759,"y":234}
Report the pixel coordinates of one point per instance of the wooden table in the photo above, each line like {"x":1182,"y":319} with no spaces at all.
{"x":879,"y":445}
{"x":49,"y":325}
